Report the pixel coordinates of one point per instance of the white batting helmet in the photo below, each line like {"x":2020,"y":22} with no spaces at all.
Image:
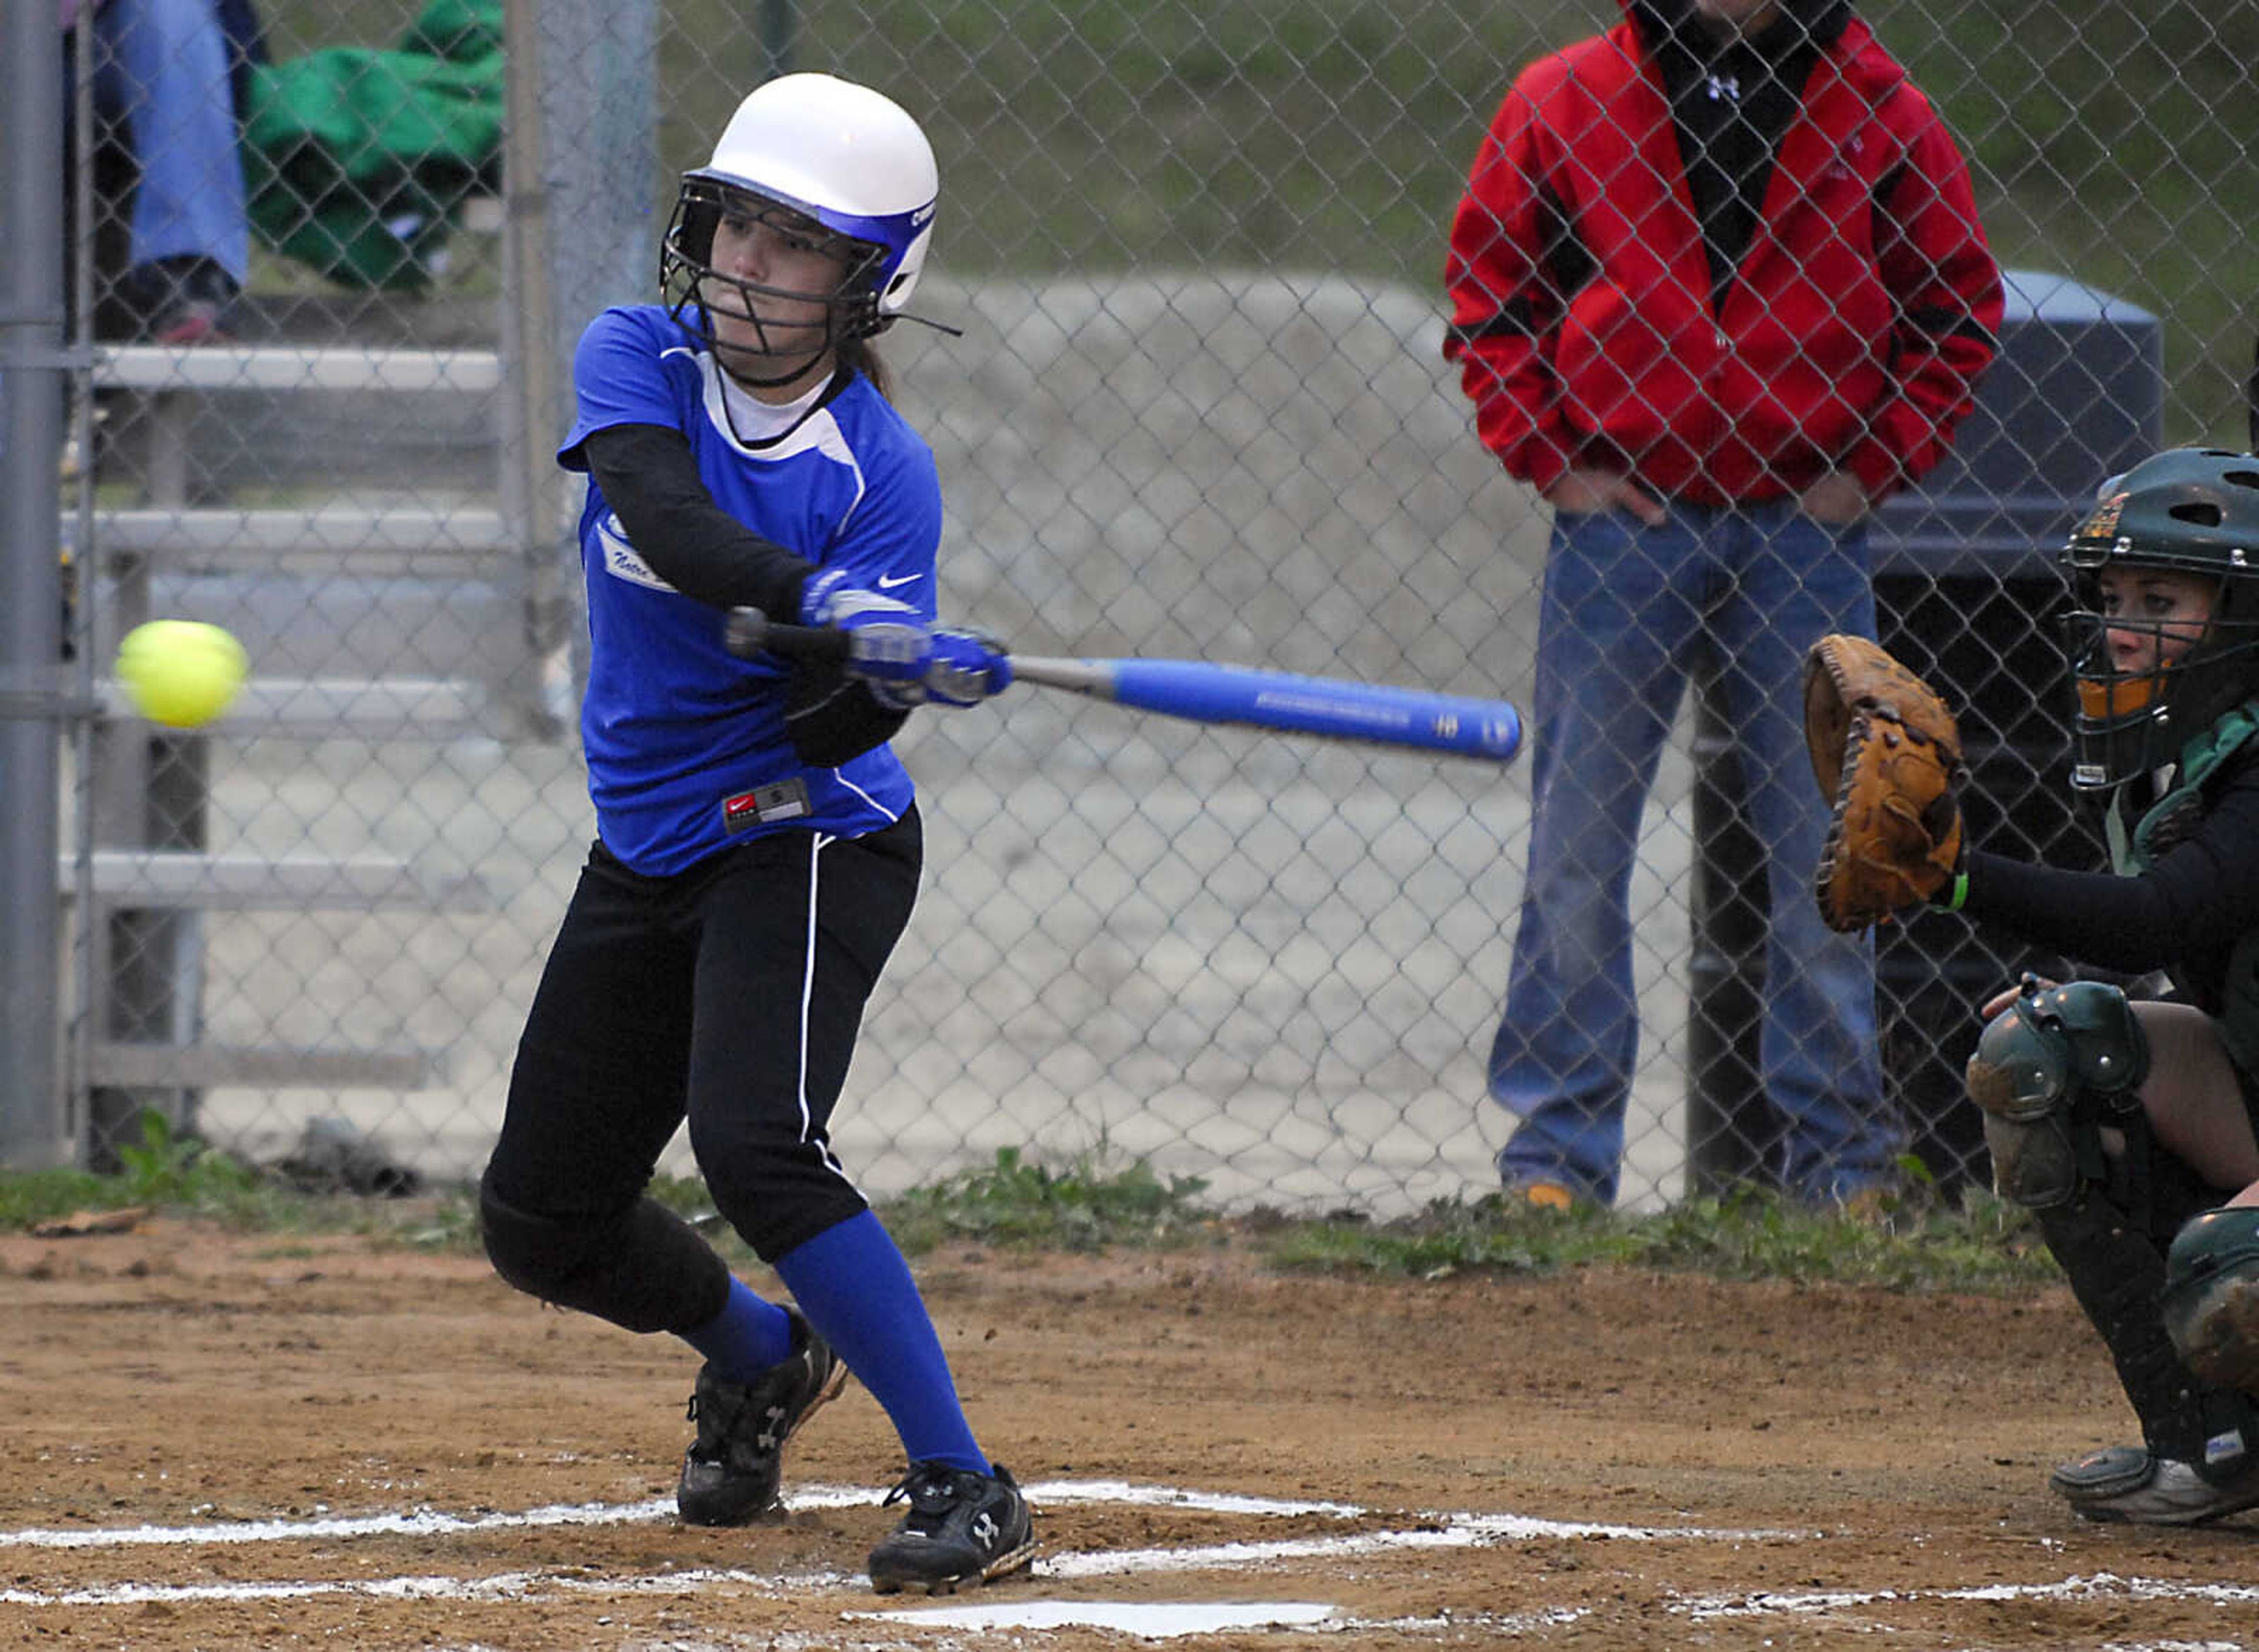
{"x":848,"y":158}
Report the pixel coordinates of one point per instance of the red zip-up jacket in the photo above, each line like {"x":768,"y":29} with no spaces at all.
{"x":1851,"y":338}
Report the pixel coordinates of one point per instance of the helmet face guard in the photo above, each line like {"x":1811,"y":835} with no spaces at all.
{"x":2188,"y":512}
{"x":695,"y":291}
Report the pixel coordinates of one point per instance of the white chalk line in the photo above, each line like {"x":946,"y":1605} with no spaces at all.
{"x":418,"y":1523}
{"x":508,"y":1585}
{"x":1432,"y":1531}
{"x":2101,"y":1586}
{"x":1054,"y":1493}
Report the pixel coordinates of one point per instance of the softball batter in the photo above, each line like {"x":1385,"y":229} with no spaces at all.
{"x":758,"y":847}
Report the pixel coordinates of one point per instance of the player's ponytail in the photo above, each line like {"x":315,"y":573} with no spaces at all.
{"x":859,"y":354}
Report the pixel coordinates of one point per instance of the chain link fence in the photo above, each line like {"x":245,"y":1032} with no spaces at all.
{"x":1197,"y":406}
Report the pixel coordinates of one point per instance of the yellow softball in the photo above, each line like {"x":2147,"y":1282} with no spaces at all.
{"x":180,"y":673}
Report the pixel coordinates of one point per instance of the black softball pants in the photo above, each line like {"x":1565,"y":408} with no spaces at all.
{"x":730,"y":994}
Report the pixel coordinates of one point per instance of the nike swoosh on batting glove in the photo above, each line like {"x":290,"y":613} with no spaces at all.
{"x":888,"y":646}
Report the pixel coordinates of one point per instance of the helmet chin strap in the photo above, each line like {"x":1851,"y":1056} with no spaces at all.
{"x":928,"y":321}
{"x":824,"y":361}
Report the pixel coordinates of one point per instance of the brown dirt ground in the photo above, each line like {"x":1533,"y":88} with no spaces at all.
{"x":1896,"y":1446}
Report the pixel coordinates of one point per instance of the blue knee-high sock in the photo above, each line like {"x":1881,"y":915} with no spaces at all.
{"x":746,"y":1338}
{"x":857,"y":1291}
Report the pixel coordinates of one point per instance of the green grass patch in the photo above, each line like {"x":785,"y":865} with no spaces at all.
{"x":1092,"y":1204}
{"x":1911,"y":1244}
{"x":28,"y":1198}
{"x":1913,"y":1241}
{"x":1083,"y":1206}
{"x":183,"y":1176}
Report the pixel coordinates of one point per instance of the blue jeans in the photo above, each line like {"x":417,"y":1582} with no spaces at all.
{"x":1627,"y":610}
{"x":161,"y":66}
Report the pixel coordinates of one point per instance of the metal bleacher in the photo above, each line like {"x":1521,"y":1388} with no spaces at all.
{"x":179,"y":547}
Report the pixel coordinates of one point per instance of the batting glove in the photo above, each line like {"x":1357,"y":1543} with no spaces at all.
{"x":888,"y":646}
{"x":967,"y":668}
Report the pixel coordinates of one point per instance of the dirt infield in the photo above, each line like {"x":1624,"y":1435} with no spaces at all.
{"x":218,"y":1442}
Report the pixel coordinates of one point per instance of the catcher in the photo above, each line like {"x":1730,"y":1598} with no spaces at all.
{"x":2131,"y":1129}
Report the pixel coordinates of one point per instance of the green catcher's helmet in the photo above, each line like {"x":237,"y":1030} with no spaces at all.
{"x":2212,"y":1296}
{"x":2188,"y":510}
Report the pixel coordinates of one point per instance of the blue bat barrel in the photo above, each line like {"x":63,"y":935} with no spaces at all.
{"x":1206,"y":693}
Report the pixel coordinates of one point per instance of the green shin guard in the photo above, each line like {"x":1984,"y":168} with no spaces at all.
{"x":2119,"y":1278}
{"x":2051,"y":1072}
{"x":2212,"y":1296}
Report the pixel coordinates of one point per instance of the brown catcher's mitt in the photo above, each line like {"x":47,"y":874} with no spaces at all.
{"x":1884,"y":748}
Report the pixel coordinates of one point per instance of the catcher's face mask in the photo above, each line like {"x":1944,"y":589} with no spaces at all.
{"x":2134,"y":628}
{"x":2151,"y":674}
{"x":2164,"y":637}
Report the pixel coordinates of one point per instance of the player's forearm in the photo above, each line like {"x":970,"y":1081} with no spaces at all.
{"x":831,"y":718}
{"x":2127,"y":925}
{"x":650,"y":477}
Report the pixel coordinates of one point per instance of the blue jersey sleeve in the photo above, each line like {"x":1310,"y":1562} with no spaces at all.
{"x":618,"y":378}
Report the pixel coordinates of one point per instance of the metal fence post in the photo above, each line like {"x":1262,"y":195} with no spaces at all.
{"x":599,"y":114}
{"x":596,"y":107}
{"x":1730,"y":1128}
{"x":541,"y":700}
{"x":33,"y":1127}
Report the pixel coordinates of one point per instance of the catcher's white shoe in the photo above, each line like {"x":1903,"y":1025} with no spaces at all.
{"x":2130,"y":1484}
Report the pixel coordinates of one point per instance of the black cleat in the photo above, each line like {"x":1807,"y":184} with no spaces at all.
{"x":962,"y":1528}
{"x":732,"y":1474}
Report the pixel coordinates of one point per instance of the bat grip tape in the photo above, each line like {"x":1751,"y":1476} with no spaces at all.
{"x":750,"y":630}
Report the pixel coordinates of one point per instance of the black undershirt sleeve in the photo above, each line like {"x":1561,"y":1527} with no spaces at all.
{"x":2095,"y":917}
{"x":831,"y":717}
{"x":650,"y":479}
{"x":2196,"y":901}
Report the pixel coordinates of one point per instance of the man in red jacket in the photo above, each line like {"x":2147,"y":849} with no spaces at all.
{"x":1718,"y":288}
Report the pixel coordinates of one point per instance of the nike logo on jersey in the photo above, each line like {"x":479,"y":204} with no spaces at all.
{"x":888,"y":581}
{"x":620,"y":558}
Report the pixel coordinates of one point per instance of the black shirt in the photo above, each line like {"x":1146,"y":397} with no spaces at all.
{"x":1732,"y":98}
{"x":2183,"y":916}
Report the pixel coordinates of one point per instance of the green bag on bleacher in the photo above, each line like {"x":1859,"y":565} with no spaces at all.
{"x":357,"y":160}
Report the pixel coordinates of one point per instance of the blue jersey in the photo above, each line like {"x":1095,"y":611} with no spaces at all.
{"x":685,"y":744}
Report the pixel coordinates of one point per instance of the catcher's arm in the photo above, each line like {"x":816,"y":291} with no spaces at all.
{"x":1885,"y":751}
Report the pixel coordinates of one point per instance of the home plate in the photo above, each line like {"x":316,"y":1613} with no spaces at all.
{"x":1131,"y":1617}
